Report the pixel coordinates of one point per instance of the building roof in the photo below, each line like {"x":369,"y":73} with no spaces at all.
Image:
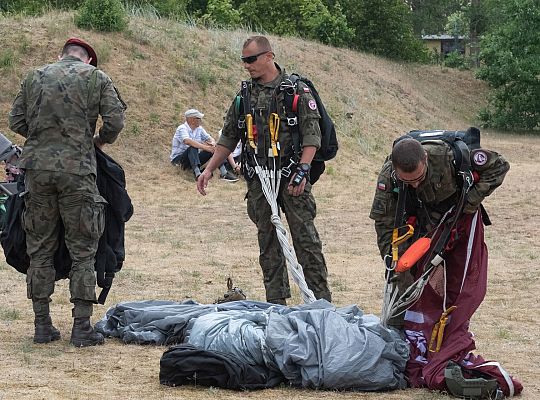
{"x":441,"y":37}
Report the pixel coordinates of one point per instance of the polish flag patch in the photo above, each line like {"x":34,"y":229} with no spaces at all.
{"x":381,"y":186}
{"x":307,"y":90}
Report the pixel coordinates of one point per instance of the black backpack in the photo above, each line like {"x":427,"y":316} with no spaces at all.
{"x":329,"y":143}
{"x":462,"y":143}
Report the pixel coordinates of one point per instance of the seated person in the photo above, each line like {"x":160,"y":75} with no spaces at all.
{"x":192,"y":146}
{"x":233,"y":162}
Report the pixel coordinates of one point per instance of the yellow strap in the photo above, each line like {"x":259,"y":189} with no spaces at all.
{"x":273,"y":124}
{"x":437,"y":334}
{"x":397,"y":240}
{"x":249,"y":128}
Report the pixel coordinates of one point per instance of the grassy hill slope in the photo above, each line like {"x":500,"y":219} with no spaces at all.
{"x":162,"y":68}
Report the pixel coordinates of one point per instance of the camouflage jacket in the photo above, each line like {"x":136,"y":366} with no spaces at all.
{"x":56,"y":111}
{"x":436,"y":194}
{"x":266,"y":98}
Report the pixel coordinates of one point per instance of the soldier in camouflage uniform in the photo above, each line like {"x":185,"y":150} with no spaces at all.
{"x":296,"y":200}
{"x":429,"y":171}
{"x":56,"y":111}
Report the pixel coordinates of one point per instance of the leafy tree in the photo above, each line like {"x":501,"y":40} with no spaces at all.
{"x":511,"y":65}
{"x":222,"y":13}
{"x":384,"y":27}
{"x":279,"y":16}
{"x":327,"y":26}
{"x":308,"y":18}
{"x":431,"y":16}
{"x":457,"y":24}
{"x":102,"y":15}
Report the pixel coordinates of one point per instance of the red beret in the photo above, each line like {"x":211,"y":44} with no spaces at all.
{"x":86,"y":46}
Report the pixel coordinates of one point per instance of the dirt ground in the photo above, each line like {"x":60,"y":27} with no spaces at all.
{"x":182,"y":245}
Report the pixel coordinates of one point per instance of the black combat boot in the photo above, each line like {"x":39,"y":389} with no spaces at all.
{"x":282,"y":302}
{"x":83,"y":334}
{"x":45,"y":332}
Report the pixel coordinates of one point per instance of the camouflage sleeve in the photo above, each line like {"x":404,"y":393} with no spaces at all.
{"x":230,"y":134}
{"x":490,"y":168}
{"x":111,"y":109}
{"x":309,"y":116}
{"x":17,"y":115}
{"x":384,"y":208}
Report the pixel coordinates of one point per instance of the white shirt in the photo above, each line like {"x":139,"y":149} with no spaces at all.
{"x":185,"y":132}
{"x":237,"y":150}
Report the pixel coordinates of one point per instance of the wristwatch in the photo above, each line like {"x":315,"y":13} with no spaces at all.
{"x":302,"y":171}
{"x":305,"y":167}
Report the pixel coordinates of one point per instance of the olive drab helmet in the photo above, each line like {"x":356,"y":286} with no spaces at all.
{"x":470,"y":388}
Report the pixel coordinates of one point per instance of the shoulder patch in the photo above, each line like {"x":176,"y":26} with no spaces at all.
{"x":312,"y":104}
{"x":480,"y":158}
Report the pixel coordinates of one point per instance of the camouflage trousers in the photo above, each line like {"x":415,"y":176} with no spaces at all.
{"x":300,"y":212}
{"x":54,"y":198}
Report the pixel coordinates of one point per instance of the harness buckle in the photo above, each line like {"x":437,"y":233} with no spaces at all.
{"x":287,"y":171}
{"x":241,"y":123}
{"x":291,"y":121}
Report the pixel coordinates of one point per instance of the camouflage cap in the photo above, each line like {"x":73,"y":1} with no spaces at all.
{"x":86,"y":46}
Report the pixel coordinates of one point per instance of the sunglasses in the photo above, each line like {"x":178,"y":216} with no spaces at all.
{"x":414,"y":180}
{"x":253,"y":58}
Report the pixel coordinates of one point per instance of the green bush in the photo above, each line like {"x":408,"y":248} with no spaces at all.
{"x":222,"y":13}
{"x":455,"y":59}
{"x":102,"y":15}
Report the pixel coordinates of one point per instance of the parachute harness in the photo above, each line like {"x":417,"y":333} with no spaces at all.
{"x":394,"y":306}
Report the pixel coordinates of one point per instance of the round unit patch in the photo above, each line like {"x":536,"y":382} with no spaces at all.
{"x":480,"y":158}
{"x":312,"y":104}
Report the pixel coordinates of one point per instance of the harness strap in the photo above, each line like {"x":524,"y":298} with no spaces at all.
{"x":437,"y":334}
{"x":295,"y":103}
{"x":290,"y":99}
{"x":398,"y":219}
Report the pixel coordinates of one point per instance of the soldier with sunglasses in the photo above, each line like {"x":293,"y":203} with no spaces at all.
{"x":422,"y":185}
{"x":295,"y":197}
{"x":426,"y":172}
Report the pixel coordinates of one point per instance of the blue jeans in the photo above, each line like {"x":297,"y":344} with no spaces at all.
{"x":192,"y":158}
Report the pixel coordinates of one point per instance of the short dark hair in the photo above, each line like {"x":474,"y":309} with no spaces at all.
{"x":263,"y":44}
{"x":407,"y":154}
{"x":73,"y":49}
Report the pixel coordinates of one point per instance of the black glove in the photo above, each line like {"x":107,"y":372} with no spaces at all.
{"x":302,"y":171}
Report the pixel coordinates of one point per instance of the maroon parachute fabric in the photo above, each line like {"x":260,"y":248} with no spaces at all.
{"x":466,"y":280}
